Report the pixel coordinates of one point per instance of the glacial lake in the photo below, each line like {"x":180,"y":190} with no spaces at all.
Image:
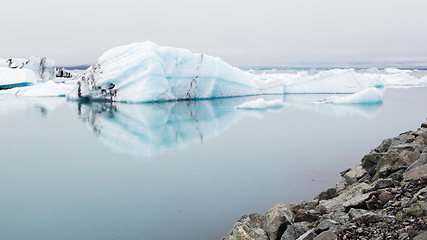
{"x":177,"y":170}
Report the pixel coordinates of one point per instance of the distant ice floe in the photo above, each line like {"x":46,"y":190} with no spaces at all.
{"x":47,"y":89}
{"x":261,"y":104}
{"x":367,"y":96}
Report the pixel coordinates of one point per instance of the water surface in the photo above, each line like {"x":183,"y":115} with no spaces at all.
{"x":177,"y":170}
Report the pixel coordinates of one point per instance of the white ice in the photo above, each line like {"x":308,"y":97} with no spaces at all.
{"x":47,"y":89}
{"x":145,"y":72}
{"x":367,"y":96}
{"x":43,"y":68}
{"x":260,"y":104}
{"x":9,"y":76}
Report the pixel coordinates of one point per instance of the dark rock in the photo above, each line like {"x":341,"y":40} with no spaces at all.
{"x":370,"y":161}
{"x":328,"y":235}
{"x":294,"y":231}
{"x":303,"y":215}
{"x":384,"y":146}
{"x":248,"y":227}
{"x":383,"y":183}
{"x":328,"y":194}
{"x":384,"y":197}
{"x":327,"y":224}
{"x":424,"y":125}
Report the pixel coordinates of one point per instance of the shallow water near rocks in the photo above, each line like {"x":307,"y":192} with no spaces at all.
{"x":177,"y":170}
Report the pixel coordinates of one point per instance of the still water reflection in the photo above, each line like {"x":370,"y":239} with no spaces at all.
{"x":176,"y":170}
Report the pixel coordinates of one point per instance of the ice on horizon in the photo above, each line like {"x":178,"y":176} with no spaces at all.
{"x":261,"y":104}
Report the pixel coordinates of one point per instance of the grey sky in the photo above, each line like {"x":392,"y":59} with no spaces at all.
{"x":241,"y":32}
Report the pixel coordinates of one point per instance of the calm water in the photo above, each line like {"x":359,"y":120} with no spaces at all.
{"x":177,"y":170}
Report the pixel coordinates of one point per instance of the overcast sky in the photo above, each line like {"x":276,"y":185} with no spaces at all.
{"x":242,"y":32}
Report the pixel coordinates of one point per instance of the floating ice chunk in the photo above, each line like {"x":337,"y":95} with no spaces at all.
{"x":146,"y":72}
{"x":261,"y":104}
{"x":47,"y":89}
{"x":10,"y":78}
{"x":330,"y":81}
{"x":367,"y":96}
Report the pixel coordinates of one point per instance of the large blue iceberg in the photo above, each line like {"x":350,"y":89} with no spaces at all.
{"x":146,"y":72}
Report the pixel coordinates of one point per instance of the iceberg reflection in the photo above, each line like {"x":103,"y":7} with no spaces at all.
{"x":149,"y":129}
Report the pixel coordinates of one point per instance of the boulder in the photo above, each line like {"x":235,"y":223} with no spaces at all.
{"x":327,"y":224}
{"x":349,"y":197}
{"x":364,"y":216}
{"x":389,"y":163}
{"x":415,"y":173}
{"x":327,"y":235}
{"x":294,"y":231}
{"x":370,"y":161}
{"x":328,"y":194}
{"x":248,"y":227}
{"x":276,"y":221}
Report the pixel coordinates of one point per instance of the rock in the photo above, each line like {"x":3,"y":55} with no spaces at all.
{"x":327,"y":224}
{"x":328,"y":235}
{"x":364,"y":216}
{"x":321,"y":209}
{"x":370,"y":161}
{"x":340,"y":217}
{"x":309,"y":235}
{"x":410,"y":152}
{"x":276,"y":221}
{"x":384,"y":197}
{"x":304,"y":205}
{"x":421,"y":235}
{"x":248,"y":227}
{"x":384,"y":146}
{"x":419,"y":162}
{"x":389,"y":163}
{"x":415,"y":173}
{"x":424,"y":125}
{"x":355,"y":174}
{"x":328,"y":194}
{"x":294,"y":231}
{"x":415,"y":210}
{"x":303,"y":215}
{"x":349,"y":195}
{"x":383,"y":183}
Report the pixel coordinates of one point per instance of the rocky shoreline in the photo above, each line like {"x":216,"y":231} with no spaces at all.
{"x":385,"y":197}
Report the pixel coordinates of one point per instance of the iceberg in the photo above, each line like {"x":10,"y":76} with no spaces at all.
{"x":146,"y":72}
{"x":10,"y":78}
{"x":367,"y":96}
{"x":261,"y":104}
{"x":43,"y":68}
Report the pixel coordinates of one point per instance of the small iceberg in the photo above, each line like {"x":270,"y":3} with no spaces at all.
{"x":261,"y":104}
{"x":10,"y":78}
{"x":367,"y":96}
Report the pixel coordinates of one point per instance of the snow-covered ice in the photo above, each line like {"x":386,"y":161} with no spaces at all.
{"x":367,"y":96}
{"x":261,"y":103}
{"x":10,"y":78}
